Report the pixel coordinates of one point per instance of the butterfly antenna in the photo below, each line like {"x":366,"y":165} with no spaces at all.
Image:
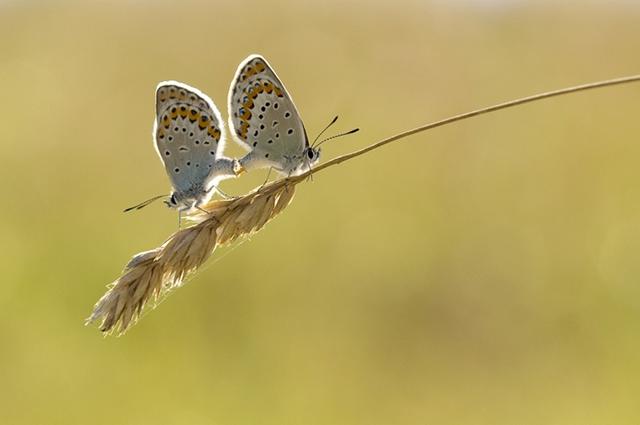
{"x":355,"y":130}
{"x":144,"y":204}
{"x":333,"y":121}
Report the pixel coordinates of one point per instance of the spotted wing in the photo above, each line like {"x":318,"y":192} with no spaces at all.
{"x":262,"y":115}
{"x":187,"y":133}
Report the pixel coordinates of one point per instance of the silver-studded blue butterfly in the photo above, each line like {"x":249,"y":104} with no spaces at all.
{"x":265,"y":121}
{"x":189,"y":138}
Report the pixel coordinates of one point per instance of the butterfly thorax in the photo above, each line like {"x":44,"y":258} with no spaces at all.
{"x":298,"y":164}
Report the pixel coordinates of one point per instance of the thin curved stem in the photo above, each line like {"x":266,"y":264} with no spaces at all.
{"x":505,"y":105}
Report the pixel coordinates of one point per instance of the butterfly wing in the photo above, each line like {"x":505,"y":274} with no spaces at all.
{"x":263,"y":117}
{"x":188,"y":134}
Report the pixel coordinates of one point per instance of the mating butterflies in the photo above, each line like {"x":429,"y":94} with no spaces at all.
{"x":189,"y":133}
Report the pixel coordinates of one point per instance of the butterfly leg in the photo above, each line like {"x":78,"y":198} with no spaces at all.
{"x":287,"y":179}
{"x":266,"y":180}
{"x":208,"y":213}
{"x":202,"y":210}
{"x":223,"y":194}
{"x":310,"y":176}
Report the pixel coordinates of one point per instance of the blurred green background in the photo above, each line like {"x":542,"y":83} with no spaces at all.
{"x":482,"y":273}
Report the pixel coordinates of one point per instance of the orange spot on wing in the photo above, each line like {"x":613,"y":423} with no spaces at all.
{"x":204,"y":122}
{"x":244,"y":128}
{"x":248,"y":104}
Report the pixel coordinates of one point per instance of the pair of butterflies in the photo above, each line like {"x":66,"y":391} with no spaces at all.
{"x":189,"y":133}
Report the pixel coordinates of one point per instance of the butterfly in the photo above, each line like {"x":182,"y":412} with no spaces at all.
{"x":264,"y":120}
{"x":188,"y":136}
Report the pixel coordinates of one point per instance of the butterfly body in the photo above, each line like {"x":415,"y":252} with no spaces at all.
{"x":189,"y":138}
{"x":264,"y":120}
{"x":289,"y":165}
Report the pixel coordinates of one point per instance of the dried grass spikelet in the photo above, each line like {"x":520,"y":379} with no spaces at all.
{"x":152,"y":274}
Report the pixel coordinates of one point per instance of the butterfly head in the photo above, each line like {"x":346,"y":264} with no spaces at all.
{"x":311,"y":155}
{"x":172,"y":202}
{"x":187,"y":200}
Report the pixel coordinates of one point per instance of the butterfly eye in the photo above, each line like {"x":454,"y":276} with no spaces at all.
{"x":310,"y":154}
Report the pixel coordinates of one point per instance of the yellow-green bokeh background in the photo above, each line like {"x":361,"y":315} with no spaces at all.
{"x":483,"y":273}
